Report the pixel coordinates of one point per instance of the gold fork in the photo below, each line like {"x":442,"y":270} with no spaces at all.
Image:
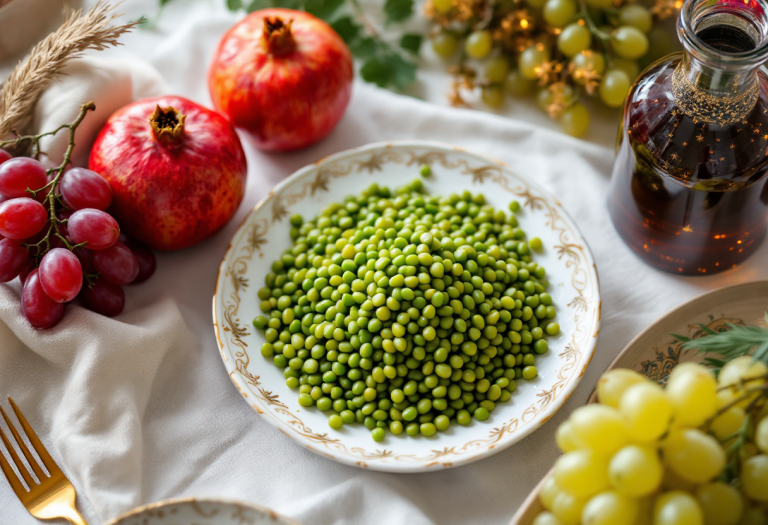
{"x":53,"y":496}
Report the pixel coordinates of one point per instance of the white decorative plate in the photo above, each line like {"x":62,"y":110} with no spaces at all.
{"x":263,"y":236}
{"x":201,"y":511}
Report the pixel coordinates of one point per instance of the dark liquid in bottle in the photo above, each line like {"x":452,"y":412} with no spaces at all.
{"x":689,"y":196}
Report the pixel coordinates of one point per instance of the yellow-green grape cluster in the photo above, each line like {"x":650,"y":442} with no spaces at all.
{"x":684,"y":455}
{"x":596,"y":49}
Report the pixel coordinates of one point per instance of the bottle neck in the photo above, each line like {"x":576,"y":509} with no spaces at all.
{"x":713,"y":94}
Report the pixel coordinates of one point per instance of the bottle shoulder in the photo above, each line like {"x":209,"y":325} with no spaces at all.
{"x":689,"y":147}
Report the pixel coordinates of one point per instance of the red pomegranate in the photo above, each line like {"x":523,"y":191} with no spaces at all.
{"x":177,"y":170}
{"x":283,"y":76}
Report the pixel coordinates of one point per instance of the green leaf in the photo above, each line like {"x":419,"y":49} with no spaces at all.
{"x":404,"y":72}
{"x":411,"y":42}
{"x":388,"y":68}
{"x":364,"y":48}
{"x":347,"y":28}
{"x":398,"y":10}
{"x":323,"y":9}
{"x":377,"y":70}
{"x":234,"y":5}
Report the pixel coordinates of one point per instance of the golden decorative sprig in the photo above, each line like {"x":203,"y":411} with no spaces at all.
{"x":92,"y":30}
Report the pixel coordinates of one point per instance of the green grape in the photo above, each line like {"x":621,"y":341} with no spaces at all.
{"x":548,"y":493}
{"x":530,"y":60}
{"x":659,"y":45}
{"x":442,"y":6}
{"x":547,"y":95}
{"x":721,"y":503}
{"x":693,"y":394}
{"x":493,"y":96}
{"x":754,"y":477}
{"x":581,"y":472}
{"x":676,"y":508}
{"x":614,"y":88}
{"x":546,"y":518}
{"x":478,"y":45}
{"x":693,"y":455}
{"x":589,"y":60}
{"x":629,"y":42}
{"x":637,"y":16}
{"x":573,"y":39}
{"x":635,"y":471}
{"x":599,"y":428}
{"x":761,"y":435}
{"x":496,"y":69}
{"x":445,"y":44}
{"x":517,"y":85}
{"x":599,"y":4}
{"x":646,"y":411}
{"x":629,"y":67}
{"x":610,"y":508}
{"x":575,"y":120}
{"x":567,"y":508}
{"x":558,"y":13}
{"x":612,"y":385}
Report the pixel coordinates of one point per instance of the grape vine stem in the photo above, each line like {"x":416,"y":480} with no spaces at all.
{"x":52,"y":197}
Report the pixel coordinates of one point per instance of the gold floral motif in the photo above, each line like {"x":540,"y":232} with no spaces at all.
{"x":482,"y":172}
{"x":668,"y":355}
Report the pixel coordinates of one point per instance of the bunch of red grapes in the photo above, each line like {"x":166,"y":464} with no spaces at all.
{"x":79,"y":254}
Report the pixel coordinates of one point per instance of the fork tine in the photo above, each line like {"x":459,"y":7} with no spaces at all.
{"x":23,"y":446}
{"x":14,"y":456}
{"x":36,"y":443}
{"x":16,"y":485}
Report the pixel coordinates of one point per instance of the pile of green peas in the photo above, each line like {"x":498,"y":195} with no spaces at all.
{"x":406,"y":312}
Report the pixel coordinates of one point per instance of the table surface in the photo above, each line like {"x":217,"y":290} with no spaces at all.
{"x":192,"y":434}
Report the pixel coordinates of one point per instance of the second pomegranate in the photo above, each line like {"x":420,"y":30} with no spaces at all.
{"x":283,"y":76}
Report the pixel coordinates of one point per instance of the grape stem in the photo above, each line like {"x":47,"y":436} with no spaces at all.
{"x":601,"y":35}
{"x":53,"y":197}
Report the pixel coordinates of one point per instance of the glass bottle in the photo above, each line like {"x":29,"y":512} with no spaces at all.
{"x":689,"y":192}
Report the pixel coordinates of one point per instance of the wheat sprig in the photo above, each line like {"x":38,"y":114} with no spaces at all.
{"x":20,"y":92}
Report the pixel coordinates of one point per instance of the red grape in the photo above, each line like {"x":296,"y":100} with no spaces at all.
{"x":96,"y":228}
{"x":4,"y":155}
{"x":104,"y":298}
{"x":16,"y":175}
{"x":31,"y":265}
{"x":61,"y":275}
{"x":146,"y":259}
{"x":21,"y":218}
{"x":117,"y":264}
{"x":13,"y":257}
{"x":39,"y":309}
{"x":86,"y":260}
{"x":82,"y":188}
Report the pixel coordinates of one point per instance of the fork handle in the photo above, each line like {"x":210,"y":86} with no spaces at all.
{"x":73,"y":516}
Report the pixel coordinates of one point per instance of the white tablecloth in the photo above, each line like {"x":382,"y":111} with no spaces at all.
{"x":161,"y":419}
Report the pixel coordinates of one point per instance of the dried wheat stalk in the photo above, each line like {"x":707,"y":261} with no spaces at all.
{"x":79,"y":32}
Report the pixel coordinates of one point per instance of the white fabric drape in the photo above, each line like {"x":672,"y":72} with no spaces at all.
{"x":139,"y":408}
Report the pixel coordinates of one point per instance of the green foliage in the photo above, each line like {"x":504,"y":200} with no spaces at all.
{"x":382,"y":63}
{"x":398,"y":10}
{"x":411,"y":42}
{"x":733,"y":342}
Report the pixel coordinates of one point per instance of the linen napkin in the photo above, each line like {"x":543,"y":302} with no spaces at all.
{"x":139,"y":408}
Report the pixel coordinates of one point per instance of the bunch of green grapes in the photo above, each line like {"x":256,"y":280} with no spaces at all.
{"x":597,"y":46}
{"x":695,"y":453}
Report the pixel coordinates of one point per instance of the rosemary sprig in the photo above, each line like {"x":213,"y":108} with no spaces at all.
{"x":733,"y":342}
{"x":52,"y":197}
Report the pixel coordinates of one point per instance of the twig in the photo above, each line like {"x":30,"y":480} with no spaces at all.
{"x":52,"y":196}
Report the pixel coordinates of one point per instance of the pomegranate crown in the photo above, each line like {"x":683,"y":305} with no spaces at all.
{"x":278,"y":37}
{"x":167,"y":123}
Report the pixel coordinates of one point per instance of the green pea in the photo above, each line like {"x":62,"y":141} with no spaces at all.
{"x":530,"y":372}
{"x":427,"y":429}
{"x":481,"y":414}
{"x":335,"y":421}
{"x":552,"y":329}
